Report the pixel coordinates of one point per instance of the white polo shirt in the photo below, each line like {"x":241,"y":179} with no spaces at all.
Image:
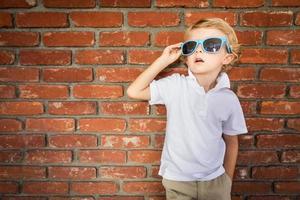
{"x":194,"y":148}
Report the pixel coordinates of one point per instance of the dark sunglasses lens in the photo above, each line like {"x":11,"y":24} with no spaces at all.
{"x":189,"y":47}
{"x":212,"y":45}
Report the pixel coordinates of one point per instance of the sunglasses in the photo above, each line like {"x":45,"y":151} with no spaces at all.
{"x":209,"y":45}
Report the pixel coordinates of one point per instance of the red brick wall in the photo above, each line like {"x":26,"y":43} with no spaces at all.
{"x":69,"y":130}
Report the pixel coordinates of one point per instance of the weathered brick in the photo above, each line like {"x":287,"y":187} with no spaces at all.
{"x":290,"y":156}
{"x":50,"y":124}
{"x":143,"y":56}
{"x":19,"y":39}
{"x":82,"y":74}
{"x":122,"y":172}
{"x":68,"y":39}
{"x":41,"y":20}
{"x":144,"y":156}
{"x":261,"y":19}
{"x":102,"y":125}
{"x":193,"y":17}
{"x":10,"y":125}
{"x":147,"y":125}
{"x":97,"y":19}
{"x":238,"y":4}
{"x":9,"y":187}
{"x":90,"y":188}
{"x":93,"y":57}
{"x":132,"y":38}
{"x":116,"y":141}
{"x":98,"y":91}
{"x":252,"y":187}
{"x":7,"y":57}
{"x":39,"y":187}
{"x":261,"y":91}
{"x":11,"y":156}
{"x":242,"y":73}
{"x":118,"y":74}
{"x":278,"y":141}
{"x":45,"y":57}
{"x":295,"y":56}
{"x":48,"y":156}
{"x":257,"y":157}
{"x":43,"y":91}
{"x":249,"y":37}
{"x":283,"y":37}
{"x":74,"y":173}
{"x":182,"y":3}
{"x":21,"y":108}
{"x":22,"y":141}
{"x":19,"y":74}
{"x":124,"y":108}
{"x":6,"y":20}
{"x":280,"y":74}
{"x":22,"y":172}
{"x":102,"y":156}
{"x":166,"y":38}
{"x":291,"y":187}
{"x":143,"y":187}
{"x":274,"y":172}
{"x":264,"y":56}
{"x":294,"y":124}
{"x":126,"y":3}
{"x":285,"y":3}
{"x":73,"y":141}
{"x":265,"y":124}
{"x":72,"y":108}
{"x":17,"y":3}
{"x":69,"y":3}
{"x":153,"y":19}
{"x":280,"y":107}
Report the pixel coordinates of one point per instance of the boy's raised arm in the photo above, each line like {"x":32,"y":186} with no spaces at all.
{"x":139,"y":88}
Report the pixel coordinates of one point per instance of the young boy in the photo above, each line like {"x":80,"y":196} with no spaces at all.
{"x":197,"y":162}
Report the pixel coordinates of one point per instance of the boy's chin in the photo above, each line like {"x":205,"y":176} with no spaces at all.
{"x":202,"y":69}
{"x":198,"y":70}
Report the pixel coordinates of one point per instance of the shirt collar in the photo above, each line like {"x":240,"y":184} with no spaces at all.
{"x":222,"y":80}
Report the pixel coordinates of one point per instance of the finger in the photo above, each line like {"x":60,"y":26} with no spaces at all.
{"x":176,"y":51}
{"x":178,"y":45}
{"x":175,"y":48}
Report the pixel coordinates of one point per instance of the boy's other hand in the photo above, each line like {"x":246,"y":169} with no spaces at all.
{"x":171,"y":53}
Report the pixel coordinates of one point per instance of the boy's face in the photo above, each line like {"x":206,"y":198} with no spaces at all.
{"x":201,"y":62}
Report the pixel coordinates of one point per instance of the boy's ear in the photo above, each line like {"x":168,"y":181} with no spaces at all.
{"x":228,"y":58}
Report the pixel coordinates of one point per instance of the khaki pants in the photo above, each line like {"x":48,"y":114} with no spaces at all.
{"x":216,"y":189}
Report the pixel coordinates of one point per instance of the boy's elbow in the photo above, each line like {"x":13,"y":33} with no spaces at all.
{"x":141,"y":95}
{"x":130,"y":93}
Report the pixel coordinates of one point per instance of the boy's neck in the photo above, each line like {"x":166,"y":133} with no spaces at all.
{"x":207,"y":81}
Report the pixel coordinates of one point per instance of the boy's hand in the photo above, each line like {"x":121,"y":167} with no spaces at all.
{"x":140,"y":88}
{"x":171,"y":54}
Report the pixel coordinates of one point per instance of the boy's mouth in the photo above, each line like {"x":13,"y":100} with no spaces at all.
{"x":199,"y":60}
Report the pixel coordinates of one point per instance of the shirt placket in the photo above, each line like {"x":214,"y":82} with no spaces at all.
{"x":200,"y":99}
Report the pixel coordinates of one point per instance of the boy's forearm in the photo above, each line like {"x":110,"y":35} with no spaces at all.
{"x":230,"y":154}
{"x":145,"y":78}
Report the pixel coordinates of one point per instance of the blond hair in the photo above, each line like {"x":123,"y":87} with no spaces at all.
{"x":224,"y":27}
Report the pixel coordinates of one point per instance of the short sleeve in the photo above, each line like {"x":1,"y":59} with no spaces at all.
{"x":235,"y":124}
{"x":162,"y":90}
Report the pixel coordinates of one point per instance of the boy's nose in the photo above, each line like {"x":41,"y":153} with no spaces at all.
{"x":199,"y":49}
